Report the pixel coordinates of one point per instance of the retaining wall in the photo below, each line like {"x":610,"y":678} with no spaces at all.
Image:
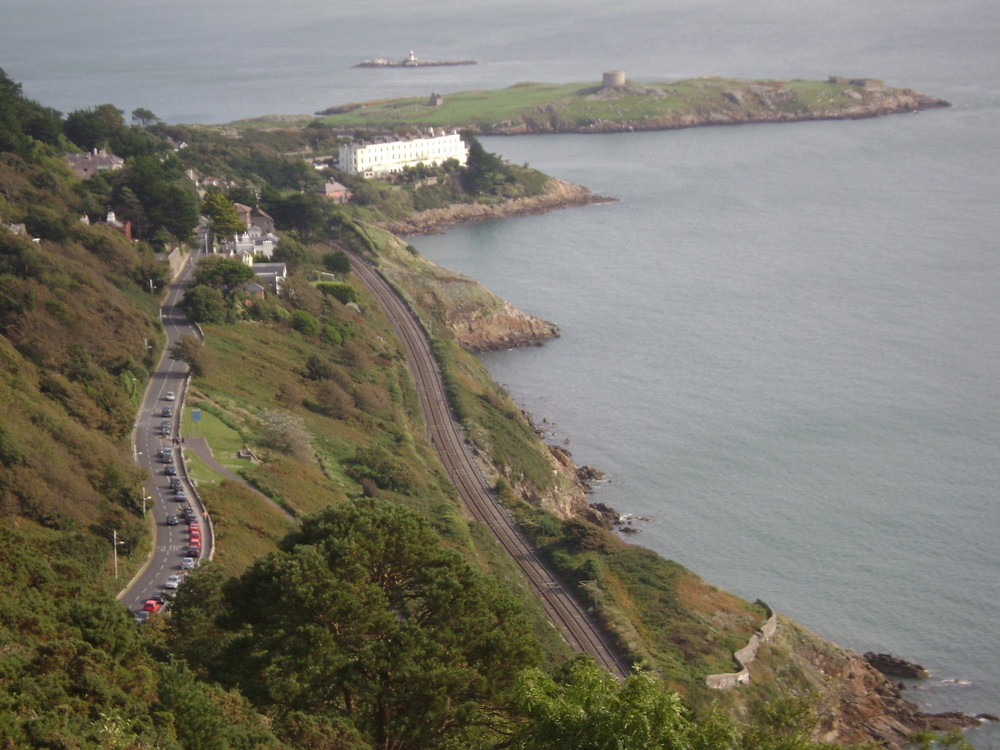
{"x":745,"y":656}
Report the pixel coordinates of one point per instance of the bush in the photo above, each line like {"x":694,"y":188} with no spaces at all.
{"x":339,"y":290}
{"x":305,"y":323}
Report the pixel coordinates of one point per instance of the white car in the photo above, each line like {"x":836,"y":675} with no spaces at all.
{"x":172,"y":582}
{"x":169,"y":396}
{"x":188,"y":563}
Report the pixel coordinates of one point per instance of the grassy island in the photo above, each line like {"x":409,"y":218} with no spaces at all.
{"x":626,"y":105}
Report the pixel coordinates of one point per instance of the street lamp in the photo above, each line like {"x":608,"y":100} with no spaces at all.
{"x":115,"y":542}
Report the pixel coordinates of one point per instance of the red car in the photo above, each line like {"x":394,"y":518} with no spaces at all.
{"x":151,"y":605}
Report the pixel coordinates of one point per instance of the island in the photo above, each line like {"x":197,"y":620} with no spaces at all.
{"x":617,"y":104}
{"x":411,"y":61}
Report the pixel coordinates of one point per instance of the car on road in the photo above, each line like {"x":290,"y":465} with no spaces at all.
{"x":181,"y":496}
{"x":193,"y":550}
{"x":152,"y":605}
{"x":188,"y":563}
{"x":169,"y":470}
{"x":168,"y":457}
{"x":168,"y":411}
{"x":169,"y":396}
{"x":165,"y":427}
{"x":172,"y":582}
{"x":175,"y":482}
{"x":141,"y":617}
{"x":173,"y":520}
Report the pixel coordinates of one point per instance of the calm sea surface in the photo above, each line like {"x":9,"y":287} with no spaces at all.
{"x":782,"y":343}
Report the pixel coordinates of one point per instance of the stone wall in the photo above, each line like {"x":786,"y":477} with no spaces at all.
{"x":745,"y":656}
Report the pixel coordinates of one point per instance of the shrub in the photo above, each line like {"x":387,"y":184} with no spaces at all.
{"x":305,"y":323}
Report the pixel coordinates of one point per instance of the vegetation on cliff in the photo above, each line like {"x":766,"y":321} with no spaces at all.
{"x":431,"y":643}
{"x":593,"y":108}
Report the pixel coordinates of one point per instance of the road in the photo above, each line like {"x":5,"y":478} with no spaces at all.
{"x":170,"y":376}
{"x":565,"y":612}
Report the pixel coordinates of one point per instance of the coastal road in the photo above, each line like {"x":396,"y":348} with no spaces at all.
{"x":170,"y":376}
{"x":565,"y":612}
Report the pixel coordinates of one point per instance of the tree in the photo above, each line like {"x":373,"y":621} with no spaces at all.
{"x":226,"y":275}
{"x":192,"y":350}
{"x":144,"y":117}
{"x":287,"y":432}
{"x":203,"y":304}
{"x":98,"y":127}
{"x":337,"y":262}
{"x":590,"y":710}
{"x":224,"y":220}
{"x":364,"y":615}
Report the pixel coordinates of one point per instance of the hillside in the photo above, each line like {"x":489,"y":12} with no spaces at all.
{"x":382,"y":617}
{"x":621,"y":105}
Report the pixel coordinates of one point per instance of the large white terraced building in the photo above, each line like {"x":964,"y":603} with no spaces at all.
{"x":384,"y":156}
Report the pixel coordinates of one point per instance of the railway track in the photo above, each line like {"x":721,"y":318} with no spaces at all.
{"x":565,"y":612}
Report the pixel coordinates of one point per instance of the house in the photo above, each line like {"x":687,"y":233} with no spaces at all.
{"x":245,"y":212}
{"x":253,"y":242}
{"x":252,"y":292}
{"x":122,"y":227}
{"x":335,"y":192}
{"x":271,"y":275}
{"x":263,"y":221}
{"x":384,"y":156}
{"x":87,"y":165}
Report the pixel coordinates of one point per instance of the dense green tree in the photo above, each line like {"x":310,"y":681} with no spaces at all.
{"x":364,"y":616}
{"x":96,"y":127}
{"x":23,"y":121}
{"x":227,"y":275}
{"x":205,"y":304}
{"x":224,"y":220}
{"x":303,"y":212}
{"x":154,"y":193}
{"x":337,"y":262}
{"x":192,"y":350}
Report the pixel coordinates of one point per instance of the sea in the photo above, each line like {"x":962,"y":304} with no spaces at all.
{"x":781,"y":343}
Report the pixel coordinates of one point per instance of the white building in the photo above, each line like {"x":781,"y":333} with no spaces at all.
{"x":384,"y":156}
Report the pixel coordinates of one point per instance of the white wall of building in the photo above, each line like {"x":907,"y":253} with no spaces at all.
{"x":372,"y":159}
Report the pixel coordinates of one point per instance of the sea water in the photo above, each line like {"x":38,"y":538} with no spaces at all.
{"x":780,"y":343}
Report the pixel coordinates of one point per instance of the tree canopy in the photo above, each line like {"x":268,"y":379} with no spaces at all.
{"x":363,"y":616}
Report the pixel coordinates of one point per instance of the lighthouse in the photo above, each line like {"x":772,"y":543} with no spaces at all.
{"x":413,"y":58}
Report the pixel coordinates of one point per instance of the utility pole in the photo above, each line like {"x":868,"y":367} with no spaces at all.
{"x":114,"y":536}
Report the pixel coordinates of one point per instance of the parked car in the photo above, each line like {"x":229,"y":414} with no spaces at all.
{"x":169,"y":396}
{"x":141,"y":617}
{"x":172,"y":582}
{"x":193,"y":550}
{"x":173,"y":520}
{"x":188,"y":563}
{"x":168,"y":457}
{"x":175,"y":482}
{"x":181,"y":496}
{"x":170,"y":471}
{"x":165,"y":427}
{"x":168,"y":411}
{"x":152,"y":605}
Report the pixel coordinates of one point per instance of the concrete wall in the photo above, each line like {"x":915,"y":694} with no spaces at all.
{"x":745,"y":656}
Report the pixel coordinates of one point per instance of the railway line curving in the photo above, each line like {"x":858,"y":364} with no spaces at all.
{"x":566,"y":613}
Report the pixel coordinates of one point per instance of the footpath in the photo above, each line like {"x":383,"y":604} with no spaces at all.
{"x":200,"y":447}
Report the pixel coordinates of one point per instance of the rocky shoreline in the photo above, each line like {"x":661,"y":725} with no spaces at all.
{"x":558,"y":194}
